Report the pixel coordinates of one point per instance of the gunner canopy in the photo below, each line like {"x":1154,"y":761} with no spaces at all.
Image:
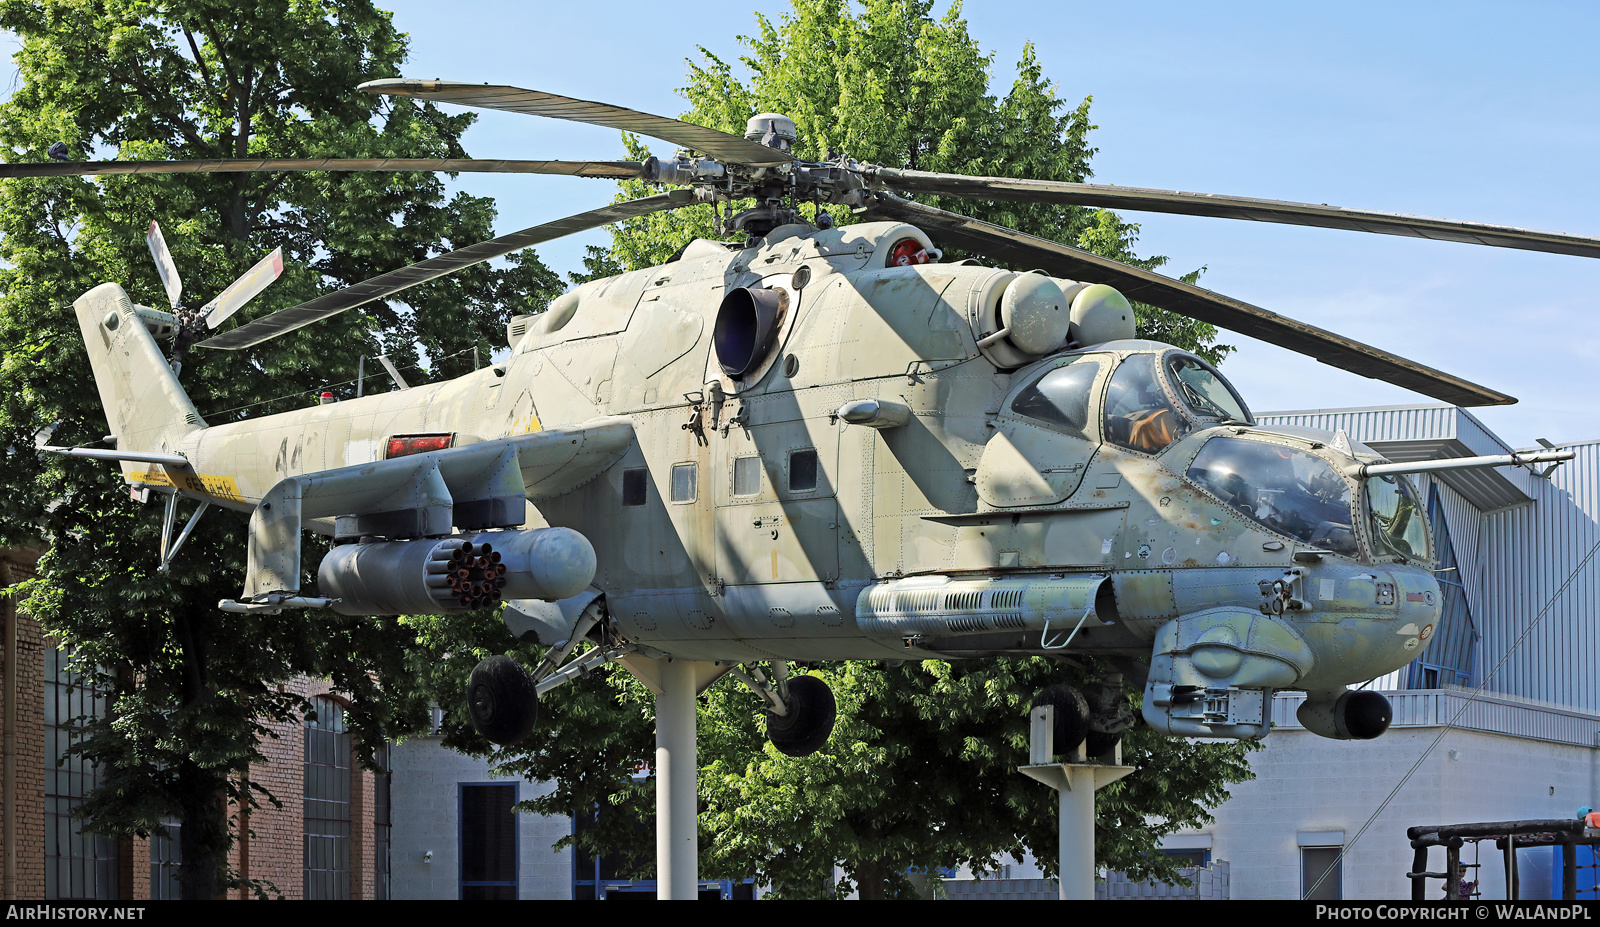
{"x":1287,"y":490}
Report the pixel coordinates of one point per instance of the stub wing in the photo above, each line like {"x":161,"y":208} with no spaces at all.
{"x":470,"y":487}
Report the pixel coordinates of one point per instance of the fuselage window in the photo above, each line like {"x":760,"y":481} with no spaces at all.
{"x":746,"y":476}
{"x":1060,"y":397}
{"x":803,"y":470}
{"x":633,"y":486}
{"x":1138,"y":415}
{"x":683,"y":482}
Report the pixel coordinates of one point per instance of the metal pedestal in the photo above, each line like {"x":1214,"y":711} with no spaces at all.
{"x":677,"y":854}
{"x":675,"y":684}
{"x":1075,"y":781}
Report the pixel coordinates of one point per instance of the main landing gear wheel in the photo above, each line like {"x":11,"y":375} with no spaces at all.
{"x":501,"y":700}
{"x":1071,"y":715}
{"x":806,"y":727}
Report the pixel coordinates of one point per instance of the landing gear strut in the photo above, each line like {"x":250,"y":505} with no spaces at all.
{"x":1110,"y":714}
{"x":501,"y":700}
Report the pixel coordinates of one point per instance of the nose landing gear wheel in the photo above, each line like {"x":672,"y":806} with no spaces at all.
{"x":1071,"y":715}
{"x":501,"y":700}
{"x":806,"y":727}
{"x":1110,"y":715}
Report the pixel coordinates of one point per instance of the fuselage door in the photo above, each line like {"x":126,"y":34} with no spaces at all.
{"x":1047,"y":432}
{"x":777,"y":515}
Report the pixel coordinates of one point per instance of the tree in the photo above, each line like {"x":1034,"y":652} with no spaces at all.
{"x":921,"y":769}
{"x":204,"y":79}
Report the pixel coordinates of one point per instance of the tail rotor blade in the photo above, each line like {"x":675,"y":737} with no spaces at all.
{"x":244,"y":289}
{"x":384,"y":285}
{"x":164,"y":265}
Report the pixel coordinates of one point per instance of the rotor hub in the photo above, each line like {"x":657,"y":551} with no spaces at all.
{"x":773,"y":130}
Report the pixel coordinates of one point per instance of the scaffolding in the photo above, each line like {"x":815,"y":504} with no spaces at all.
{"x":1508,"y":837}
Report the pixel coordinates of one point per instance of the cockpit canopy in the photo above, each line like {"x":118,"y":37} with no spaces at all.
{"x":1290,"y":491}
{"x":1299,"y":494}
{"x":1152,"y":400}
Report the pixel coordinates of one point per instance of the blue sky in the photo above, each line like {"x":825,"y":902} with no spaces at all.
{"x":1473,"y":111}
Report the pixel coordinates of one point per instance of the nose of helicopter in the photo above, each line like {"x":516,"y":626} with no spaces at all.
{"x":1392,"y":630}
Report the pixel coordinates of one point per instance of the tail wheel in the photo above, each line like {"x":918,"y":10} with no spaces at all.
{"x":1071,"y":715}
{"x":501,"y":700}
{"x":812,"y":711}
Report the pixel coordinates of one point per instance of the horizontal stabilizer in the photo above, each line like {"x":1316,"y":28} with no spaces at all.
{"x":93,"y":453}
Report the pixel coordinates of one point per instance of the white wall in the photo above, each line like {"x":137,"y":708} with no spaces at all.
{"x":1306,"y":783}
{"x":426,"y":802}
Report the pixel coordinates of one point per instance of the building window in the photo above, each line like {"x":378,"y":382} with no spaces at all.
{"x":165,"y":858}
{"x":633,"y":486}
{"x":381,"y":825}
{"x":683,"y":482}
{"x":1321,"y":874}
{"x":488,"y":842}
{"x":1187,"y":859}
{"x":327,"y":802}
{"x":77,"y":866}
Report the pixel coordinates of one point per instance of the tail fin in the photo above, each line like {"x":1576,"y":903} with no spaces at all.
{"x":145,"y":406}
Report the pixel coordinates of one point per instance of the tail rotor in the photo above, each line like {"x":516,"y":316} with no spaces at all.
{"x":187,"y":322}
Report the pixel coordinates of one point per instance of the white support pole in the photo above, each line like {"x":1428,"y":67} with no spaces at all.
{"x":1076,"y":878}
{"x":677,"y":849}
{"x":1075,"y":782}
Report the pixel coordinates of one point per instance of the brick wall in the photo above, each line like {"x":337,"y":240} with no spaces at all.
{"x":271,"y":844}
{"x":26,"y":832}
{"x":270,"y":839}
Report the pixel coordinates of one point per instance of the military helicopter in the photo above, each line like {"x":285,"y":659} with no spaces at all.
{"x":825,"y":443}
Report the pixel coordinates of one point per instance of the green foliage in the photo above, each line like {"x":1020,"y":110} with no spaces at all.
{"x":206,"y":79}
{"x":891,"y":85}
{"x":920,"y":774}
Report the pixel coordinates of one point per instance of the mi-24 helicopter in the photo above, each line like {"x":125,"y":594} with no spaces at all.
{"x":825,"y":443}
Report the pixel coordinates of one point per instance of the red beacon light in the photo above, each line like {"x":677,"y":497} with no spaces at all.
{"x":909,"y":251}
{"x":325,"y":398}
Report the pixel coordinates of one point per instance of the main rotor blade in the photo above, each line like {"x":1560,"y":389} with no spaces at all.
{"x":1237,"y":207}
{"x":287,"y":320}
{"x":164,"y":265}
{"x":244,"y":289}
{"x":1334,"y":350}
{"x":718,"y":144}
{"x":611,"y":170}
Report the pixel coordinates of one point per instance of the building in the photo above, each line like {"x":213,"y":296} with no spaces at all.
{"x":329,"y":840}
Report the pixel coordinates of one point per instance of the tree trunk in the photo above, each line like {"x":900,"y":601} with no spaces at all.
{"x":871,"y":879}
{"x":203,"y":839}
{"x":203,"y":836}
